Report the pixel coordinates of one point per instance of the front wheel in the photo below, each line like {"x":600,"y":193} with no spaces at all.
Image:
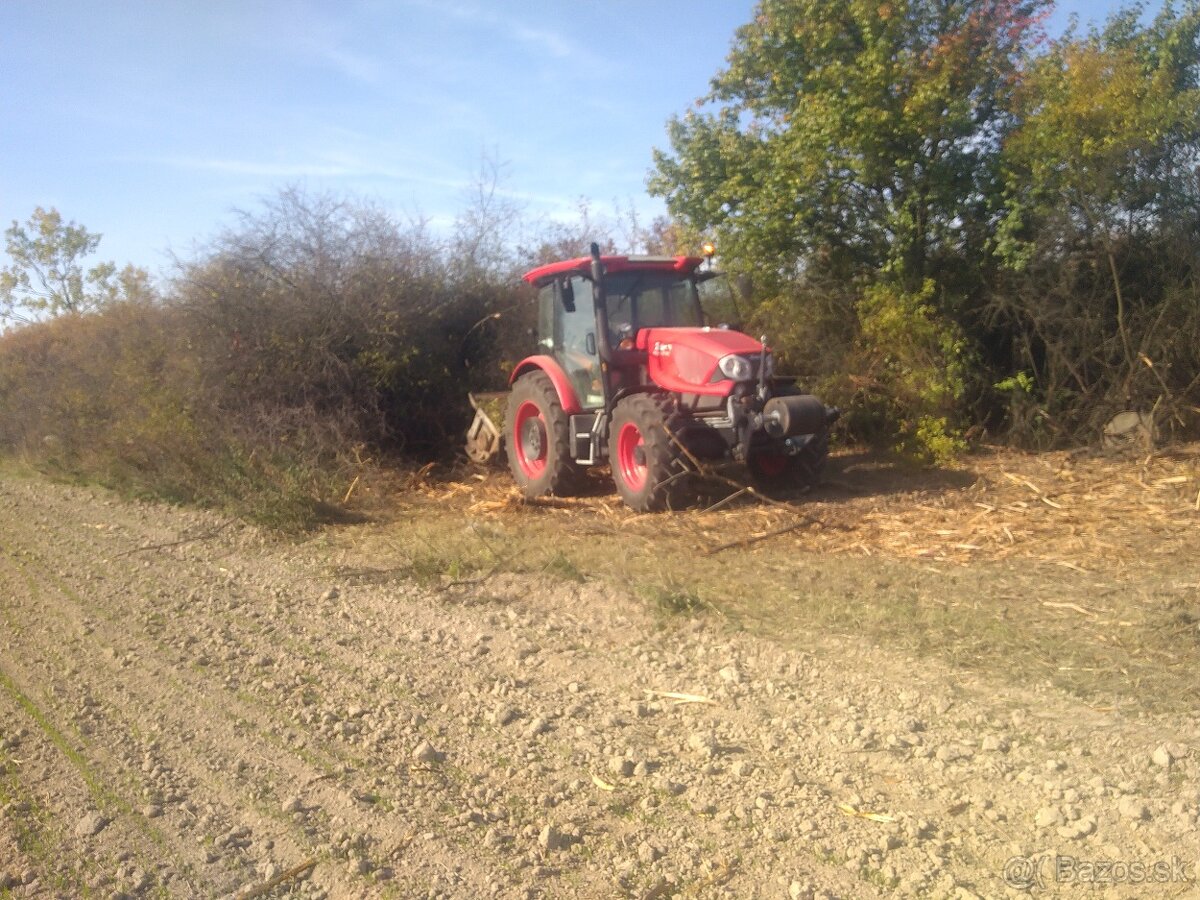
{"x":810,"y":461}
{"x":647,"y":464}
{"x":537,"y":435}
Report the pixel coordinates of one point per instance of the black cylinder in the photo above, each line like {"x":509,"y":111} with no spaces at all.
{"x":788,"y":416}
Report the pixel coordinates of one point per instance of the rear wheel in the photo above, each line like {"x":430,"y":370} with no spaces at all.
{"x":537,"y":434}
{"x":647,"y":464}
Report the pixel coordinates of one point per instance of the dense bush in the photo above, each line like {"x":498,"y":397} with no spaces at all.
{"x":314,"y":335}
{"x":1097,"y":301}
{"x":310,"y":341}
{"x":852,"y":153}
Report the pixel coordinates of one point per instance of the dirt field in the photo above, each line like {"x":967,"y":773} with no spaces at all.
{"x":971,"y":683}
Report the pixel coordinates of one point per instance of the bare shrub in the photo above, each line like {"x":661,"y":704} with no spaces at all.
{"x":314,"y":335}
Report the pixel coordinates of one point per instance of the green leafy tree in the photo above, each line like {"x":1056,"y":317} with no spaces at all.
{"x":47,"y":276}
{"x":849,"y":137}
{"x":1100,"y":223}
{"x":853,"y":146}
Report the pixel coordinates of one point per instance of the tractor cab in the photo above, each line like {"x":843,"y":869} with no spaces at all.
{"x":638,"y":293}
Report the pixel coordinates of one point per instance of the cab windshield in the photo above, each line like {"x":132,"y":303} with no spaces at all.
{"x":637,"y":300}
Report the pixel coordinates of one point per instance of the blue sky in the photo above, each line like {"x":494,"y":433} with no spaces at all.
{"x":149,"y":121}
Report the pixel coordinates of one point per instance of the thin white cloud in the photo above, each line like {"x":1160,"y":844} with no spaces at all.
{"x":559,"y":206}
{"x":550,"y":41}
{"x":258,"y":169}
{"x":355,"y":66}
{"x":540,"y":39}
{"x":311,"y":35}
{"x":347,"y":168}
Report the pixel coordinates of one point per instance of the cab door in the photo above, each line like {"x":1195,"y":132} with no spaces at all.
{"x":568,"y":325}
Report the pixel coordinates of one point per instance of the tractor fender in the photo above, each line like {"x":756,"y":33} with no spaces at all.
{"x":562,"y":384}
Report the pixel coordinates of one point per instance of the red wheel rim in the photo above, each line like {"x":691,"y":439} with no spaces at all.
{"x":631,"y":457}
{"x":771,"y":464}
{"x":530,"y":439}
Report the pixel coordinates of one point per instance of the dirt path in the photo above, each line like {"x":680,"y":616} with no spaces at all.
{"x":188,"y":710}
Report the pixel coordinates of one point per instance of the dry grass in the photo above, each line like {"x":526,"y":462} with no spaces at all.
{"x":1076,"y":510}
{"x":1070,"y":568}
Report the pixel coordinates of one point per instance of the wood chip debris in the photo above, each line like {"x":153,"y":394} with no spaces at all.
{"x":681,"y":698}
{"x":861,"y":814}
{"x":1072,"y":606}
{"x":294,"y":873}
{"x":602,"y":784}
{"x":1069,"y":508}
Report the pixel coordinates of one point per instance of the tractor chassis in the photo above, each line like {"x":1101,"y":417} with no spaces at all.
{"x":728,"y":434}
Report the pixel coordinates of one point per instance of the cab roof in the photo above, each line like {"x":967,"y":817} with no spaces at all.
{"x":677,"y":265}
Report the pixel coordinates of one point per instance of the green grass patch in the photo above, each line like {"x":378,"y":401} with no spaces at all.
{"x":674,"y":596}
{"x":562,"y":566}
{"x":100,"y":792}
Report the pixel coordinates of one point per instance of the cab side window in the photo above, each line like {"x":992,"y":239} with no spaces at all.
{"x":574,"y":327}
{"x":545,"y":331}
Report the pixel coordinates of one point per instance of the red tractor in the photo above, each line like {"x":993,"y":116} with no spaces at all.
{"x":628,"y":373}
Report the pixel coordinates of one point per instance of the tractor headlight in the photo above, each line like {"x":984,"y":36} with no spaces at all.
{"x":736,"y":367}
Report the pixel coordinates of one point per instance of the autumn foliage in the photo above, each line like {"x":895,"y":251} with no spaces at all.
{"x":950,"y":220}
{"x":311,"y":338}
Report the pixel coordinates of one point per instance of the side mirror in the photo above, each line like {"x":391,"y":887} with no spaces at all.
{"x":566,"y":294}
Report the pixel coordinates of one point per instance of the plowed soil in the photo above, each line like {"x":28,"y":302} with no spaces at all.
{"x":478,"y":697}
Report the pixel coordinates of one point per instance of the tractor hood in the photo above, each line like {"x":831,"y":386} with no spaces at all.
{"x":685,"y":359}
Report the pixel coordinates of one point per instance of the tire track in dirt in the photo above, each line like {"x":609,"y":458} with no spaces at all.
{"x":111,"y":714}
{"x":171,"y":700}
{"x":161,"y":697}
{"x":513,"y":738}
{"x":62,"y":722}
{"x":128,"y":685}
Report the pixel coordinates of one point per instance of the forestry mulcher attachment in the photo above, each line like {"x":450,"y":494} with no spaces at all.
{"x":627,"y":373}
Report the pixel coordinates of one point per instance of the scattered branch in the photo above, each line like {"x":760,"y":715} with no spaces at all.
{"x":293,"y":873}
{"x":200,"y":537}
{"x":755,"y":538}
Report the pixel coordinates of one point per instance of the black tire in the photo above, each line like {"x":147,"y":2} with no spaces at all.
{"x":647,"y":465}
{"x":537,"y":438}
{"x":810,"y":461}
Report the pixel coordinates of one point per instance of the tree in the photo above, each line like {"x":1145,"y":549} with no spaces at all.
{"x":482,"y":245}
{"x":47,"y":277}
{"x":1099,"y":226}
{"x":846,"y":159}
{"x":851,"y":137}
